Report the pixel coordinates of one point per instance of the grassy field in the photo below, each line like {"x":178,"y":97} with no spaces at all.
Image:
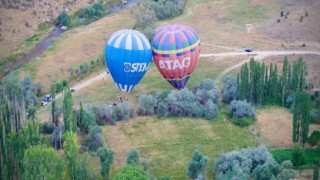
{"x":169,"y":142}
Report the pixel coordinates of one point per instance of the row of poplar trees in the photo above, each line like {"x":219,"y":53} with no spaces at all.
{"x":261,"y":84}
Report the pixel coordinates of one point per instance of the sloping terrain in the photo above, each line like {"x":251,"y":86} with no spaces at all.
{"x":20,"y":19}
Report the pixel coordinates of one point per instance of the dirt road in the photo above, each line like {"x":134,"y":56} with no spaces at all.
{"x":258,"y":55}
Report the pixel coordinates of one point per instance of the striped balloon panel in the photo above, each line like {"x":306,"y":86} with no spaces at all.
{"x":128,"y":56}
{"x":176,"y":50}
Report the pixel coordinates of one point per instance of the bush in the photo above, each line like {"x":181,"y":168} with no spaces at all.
{"x":240,"y":163}
{"x":88,"y":120}
{"x":297,"y":155}
{"x":242,"y":122}
{"x":57,"y":137}
{"x":272,"y":170}
{"x":211,"y":110}
{"x":123,"y":111}
{"x":241,"y":109}
{"x":197,"y":166}
{"x":64,"y":19}
{"x":147,"y":104}
{"x":129,"y":172}
{"x":207,"y":90}
{"x":95,"y":139}
{"x":315,"y":116}
{"x":229,"y":90}
{"x":133,"y":157}
{"x":105,"y":113}
{"x":47,"y":128}
{"x":314,"y":138}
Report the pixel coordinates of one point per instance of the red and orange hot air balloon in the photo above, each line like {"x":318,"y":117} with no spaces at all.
{"x":176,"y":50}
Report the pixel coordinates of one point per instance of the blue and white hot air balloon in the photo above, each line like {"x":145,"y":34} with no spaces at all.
{"x":128,"y":55}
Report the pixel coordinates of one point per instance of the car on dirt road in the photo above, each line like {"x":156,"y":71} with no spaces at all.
{"x":46,"y":100}
{"x":248,"y":50}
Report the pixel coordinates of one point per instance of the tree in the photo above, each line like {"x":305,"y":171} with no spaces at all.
{"x":229,"y":90}
{"x":314,"y":138}
{"x":64,"y":19}
{"x":147,"y":104}
{"x":42,"y":163}
{"x":83,"y":171}
{"x":71,"y":149}
{"x":197,"y":165}
{"x":133,"y":157}
{"x":53,"y":106}
{"x":272,"y":170}
{"x":70,"y":122}
{"x":131,"y":173}
{"x":297,"y":155}
{"x":301,"y":117}
{"x":241,"y":109}
{"x":106,"y":159}
{"x":32,"y":113}
{"x":95,"y":139}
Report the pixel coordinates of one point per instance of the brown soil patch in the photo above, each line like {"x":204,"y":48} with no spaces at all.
{"x":275,"y":127}
{"x":290,"y":28}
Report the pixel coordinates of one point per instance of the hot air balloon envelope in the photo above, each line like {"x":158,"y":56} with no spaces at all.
{"x":176,"y":50}
{"x":128,"y":55}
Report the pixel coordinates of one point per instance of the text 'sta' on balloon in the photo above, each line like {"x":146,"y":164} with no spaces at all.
{"x":128,"y":55}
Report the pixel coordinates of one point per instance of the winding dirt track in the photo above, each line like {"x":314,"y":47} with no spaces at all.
{"x":258,"y":55}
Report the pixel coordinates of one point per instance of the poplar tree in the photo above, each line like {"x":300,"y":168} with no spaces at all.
{"x":70,"y":147}
{"x":69,"y":117}
{"x":301,"y":116}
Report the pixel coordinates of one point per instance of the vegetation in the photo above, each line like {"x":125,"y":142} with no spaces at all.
{"x":229,"y":90}
{"x":42,"y":163}
{"x":260,"y":84}
{"x":297,"y":155}
{"x":70,"y":147}
{"x":256,"y":163}
{"x":133,"y":157}
{"x":69,"y":118}
{"x":241,"y":113}
{"x":310,"y":155}
{"x":64,"y":19}
{"x":314,"y":138}
{"x":131,"y":172}
{"x":301,"y":116}
{"x":197,"y":166}
{"x":106,"y":159}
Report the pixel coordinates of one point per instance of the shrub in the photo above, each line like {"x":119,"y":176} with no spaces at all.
{"x":229,"y":90}
{"x":314,"y":138}
{"x":88,"y":120}
{"x":240,"y":163}
{"x":124,"y":111}
{"x":147,"y":104}
{"x":47,"y":128}
{"x":95,"y":139}
{"x":63,"y":19}
{"x":211,"y":110}
{"x":130,"y":172}
{"x":105,"y":113}
{"x":57,"y":137}
{"x":297,"y":155}
{"x":315,"y":116}
{"x":197,"y":165}
{"x":207,"y":90}
{"x":133,"y":157}
{"x":242,"y":122}
{"x":272,"y":170}
{"x":241,"y":109}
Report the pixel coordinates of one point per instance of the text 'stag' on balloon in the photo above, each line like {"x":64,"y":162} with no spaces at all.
{"x":176,"y":50}
{"x":128,"y":55}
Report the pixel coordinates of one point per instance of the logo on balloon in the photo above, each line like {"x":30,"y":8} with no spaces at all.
{"x":135,"y":67}
{"x":174,"y":64}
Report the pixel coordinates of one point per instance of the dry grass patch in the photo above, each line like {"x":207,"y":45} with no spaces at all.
{"x":275,"y":126}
